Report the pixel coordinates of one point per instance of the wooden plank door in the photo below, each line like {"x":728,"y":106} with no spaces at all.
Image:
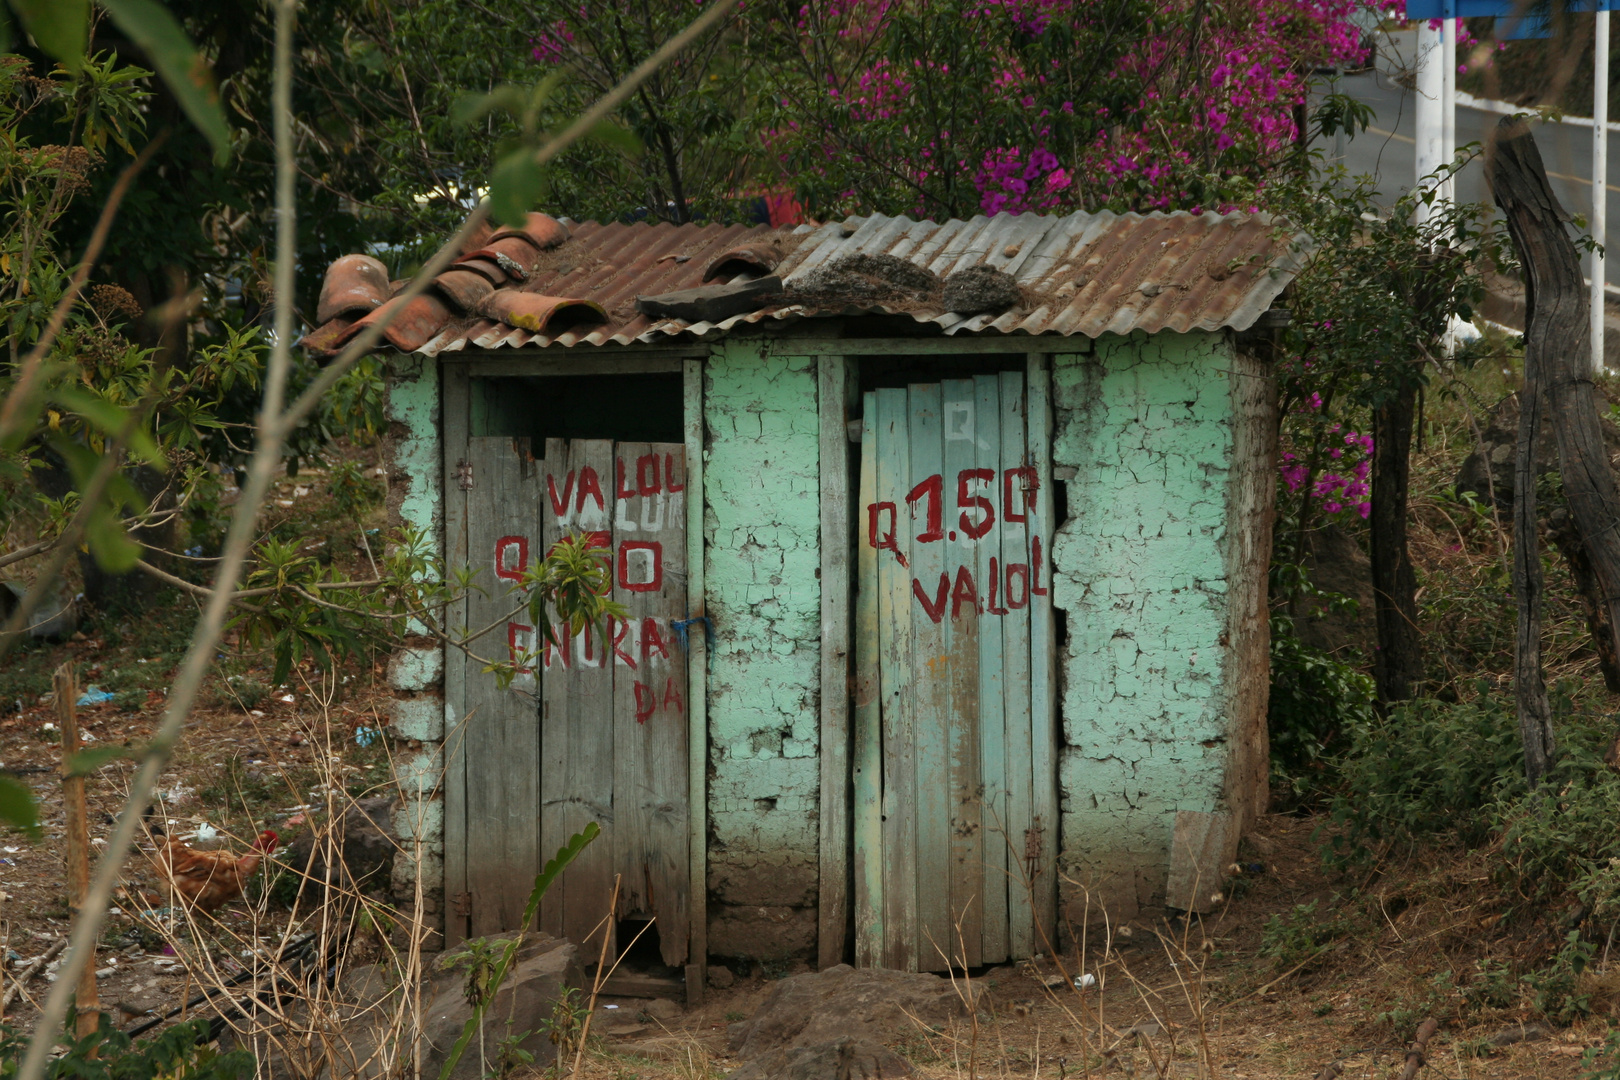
{"x":614,"y":725}
{"x":596,"y":729}
{"x":948,"y":756}
{"x":500,"y":738}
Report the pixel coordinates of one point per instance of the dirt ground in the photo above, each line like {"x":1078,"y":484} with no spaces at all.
{"x":1359,"y":1006}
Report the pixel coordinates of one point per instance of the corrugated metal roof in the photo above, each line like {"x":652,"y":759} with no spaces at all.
{"x":1086,"y":274}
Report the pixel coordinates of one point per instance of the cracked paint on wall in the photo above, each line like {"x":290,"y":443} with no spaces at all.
{"x":1144,"y":429}
{"x":415,"y":459}
{"x":761,"y":536}
{"x":416,"y":499}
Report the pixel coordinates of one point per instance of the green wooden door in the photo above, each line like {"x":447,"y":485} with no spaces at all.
{"x":596,"y":728}
{"x":954,"y":780}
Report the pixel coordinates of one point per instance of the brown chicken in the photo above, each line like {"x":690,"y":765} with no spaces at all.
{"x":206,"y":881}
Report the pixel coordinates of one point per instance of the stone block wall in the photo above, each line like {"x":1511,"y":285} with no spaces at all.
{"x":761,"y":528}
{"x":416,"y":673}
{"x":1143,"y":440}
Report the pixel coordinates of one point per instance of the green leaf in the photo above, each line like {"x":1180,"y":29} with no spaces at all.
{"x":618,"y":137}
{"x":86,"y":762}
{"x":109,"y":419}
{"x":470,"y":108}
{"x":5,"y":30}
{"x":516,"y":186}
{"x":181,"y":65}
{"x":111,"y":546}
{"x":59,"y":27}
{"x":17,"y":806}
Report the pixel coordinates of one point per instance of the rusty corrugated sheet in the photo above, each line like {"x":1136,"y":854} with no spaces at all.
{"x":1086,"y":274}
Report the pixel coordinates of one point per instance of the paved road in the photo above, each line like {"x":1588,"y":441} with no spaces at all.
{"x":1387,"y":151}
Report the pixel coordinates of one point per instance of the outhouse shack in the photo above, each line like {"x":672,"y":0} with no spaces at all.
{"x":943,"y":547}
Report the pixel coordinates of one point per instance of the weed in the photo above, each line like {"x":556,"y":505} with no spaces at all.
{"x":566,"y":1023}
{"x":1491,"y":987}
{"x":353,"y":493}
{"x":509,"y":1053}
{"x":734,"y":1017}
{"x":1407,"y":1013}
{"x":1603,"y":1062}
{"x":1299,"y":937}
{"x":1557,"y":991}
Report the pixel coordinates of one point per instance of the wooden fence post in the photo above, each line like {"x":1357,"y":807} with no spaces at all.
{"x":77,"y":827}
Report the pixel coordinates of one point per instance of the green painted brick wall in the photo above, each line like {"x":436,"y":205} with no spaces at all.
{"x":1140,"y":575}
{"x":761,"y":525}
{"x":416,"y":499}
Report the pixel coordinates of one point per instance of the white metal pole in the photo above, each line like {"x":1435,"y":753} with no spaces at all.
{"x":1600,"y":179}
{"x":1448,"y":104}
{"x":1430,"y":91}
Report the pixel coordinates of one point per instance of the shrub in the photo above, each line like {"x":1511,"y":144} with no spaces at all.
{"x":1564,"y":841}
{"x":1428,"y":768}
{"x":1315,"y":702}
{"x":353,"y":492}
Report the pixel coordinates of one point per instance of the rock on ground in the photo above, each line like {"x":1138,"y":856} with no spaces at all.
{"x":541,"y":973}
{"x":365,"y":839}
{"x":841,"y":1059}
{"x":979,"y":289}
{"x":823,"y":1007}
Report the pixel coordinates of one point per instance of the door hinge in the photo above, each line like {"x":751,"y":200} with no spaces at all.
{"x":464,"y":474}
{"x":461,"y":904}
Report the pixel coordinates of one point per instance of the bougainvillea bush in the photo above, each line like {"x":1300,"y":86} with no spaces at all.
{"x":946,"y":109}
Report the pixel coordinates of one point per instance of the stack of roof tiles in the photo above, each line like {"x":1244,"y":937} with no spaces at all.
{"x":1087,"y":274}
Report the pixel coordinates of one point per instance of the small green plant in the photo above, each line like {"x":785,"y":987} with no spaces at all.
{"x":1300,"y":937}
{"x":1491,"y":987}
{"x":1556,"y":991}
{"x":488,"y":962}
{"x":1410,"y":1011}
{"x":734,"y":1017}
{"x":352,"y":491}
{"x":567,"y":1022}
{"x":509,"y":1053}
{"x":109,"y":1054}
{"x":1603,"y":1062}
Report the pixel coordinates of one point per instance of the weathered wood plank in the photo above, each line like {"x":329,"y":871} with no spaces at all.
{"x":867,"y":768}
{"x":898,"y":725}
{"x":1043,"y":653}
{"x":960,"y":673}
{"x":1016,"y":644}
{"x":649,"y":689}
{"x":994,"y":665}
{"x":930,"y":675}
{"x":578,"y":695}
{"x":697,"y":659}
{"x":455,"y":450}
{"x":556,"y":813}
{"x":833,"y":898}
{"x":501,"y":735}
